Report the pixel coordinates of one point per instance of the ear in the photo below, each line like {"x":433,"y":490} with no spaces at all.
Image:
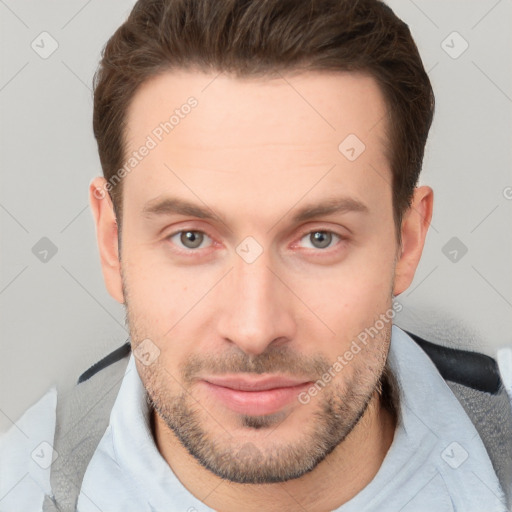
{"x":106,"y":233}
{"x":415,"y":224}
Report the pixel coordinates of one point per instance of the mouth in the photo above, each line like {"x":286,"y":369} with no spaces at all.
{"x":259,"y":395}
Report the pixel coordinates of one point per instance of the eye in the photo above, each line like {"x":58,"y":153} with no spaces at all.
{"x":189,"y":239}
{"x":321,"y":239}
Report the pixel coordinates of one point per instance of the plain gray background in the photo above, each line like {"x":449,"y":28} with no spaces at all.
{"x":56,"y":316}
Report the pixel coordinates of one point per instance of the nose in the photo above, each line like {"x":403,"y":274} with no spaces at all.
{"x":258,"y":306}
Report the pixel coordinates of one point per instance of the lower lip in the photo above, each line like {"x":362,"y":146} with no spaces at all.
{"x":256,"y":402}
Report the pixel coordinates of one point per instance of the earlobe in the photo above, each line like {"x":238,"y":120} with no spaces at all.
{"x":415,"y":224}
{"x":107,"y":237}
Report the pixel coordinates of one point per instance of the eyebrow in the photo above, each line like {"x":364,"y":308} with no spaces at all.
{"x":175,"y":206}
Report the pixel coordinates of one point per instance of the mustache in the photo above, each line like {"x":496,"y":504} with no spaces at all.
{"x":274,"y":360}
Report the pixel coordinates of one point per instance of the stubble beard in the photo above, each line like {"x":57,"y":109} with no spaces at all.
{"x":338,"y":408}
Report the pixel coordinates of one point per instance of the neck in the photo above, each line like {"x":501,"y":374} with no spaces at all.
{"x":338,"y":478}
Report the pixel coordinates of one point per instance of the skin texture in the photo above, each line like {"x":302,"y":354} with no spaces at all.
{"x":254,"y":152}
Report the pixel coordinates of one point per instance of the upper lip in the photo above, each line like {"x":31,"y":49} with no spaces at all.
{"x":252,"y":383}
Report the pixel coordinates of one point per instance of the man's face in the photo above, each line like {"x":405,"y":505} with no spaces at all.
{"x":256,"y":293}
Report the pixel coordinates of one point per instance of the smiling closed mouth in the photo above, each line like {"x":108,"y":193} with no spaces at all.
{"x":252,"y":395}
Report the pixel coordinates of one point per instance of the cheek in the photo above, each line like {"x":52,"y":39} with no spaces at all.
{"x":155,"y":295}
{"x":166,"y":304}
{"x":350,"y":296}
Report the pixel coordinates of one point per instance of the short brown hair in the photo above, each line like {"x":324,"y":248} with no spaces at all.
{"x":259,"y":38}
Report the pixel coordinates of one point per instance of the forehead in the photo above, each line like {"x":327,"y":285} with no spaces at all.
{"x":256,"y":137}
{"x":330,"y":103}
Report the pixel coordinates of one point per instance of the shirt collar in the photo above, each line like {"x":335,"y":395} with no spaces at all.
{"x":415,"y":381}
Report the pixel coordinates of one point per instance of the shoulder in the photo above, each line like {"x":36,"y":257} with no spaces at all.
{"x":471,"y":369}
{"x":57,"y":434}
{"x":477,"y":382}
{"x":26,"y":453}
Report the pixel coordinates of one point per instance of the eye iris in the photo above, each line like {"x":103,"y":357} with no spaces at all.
{"x":322,"y":237}
{"x":191,"y":239}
